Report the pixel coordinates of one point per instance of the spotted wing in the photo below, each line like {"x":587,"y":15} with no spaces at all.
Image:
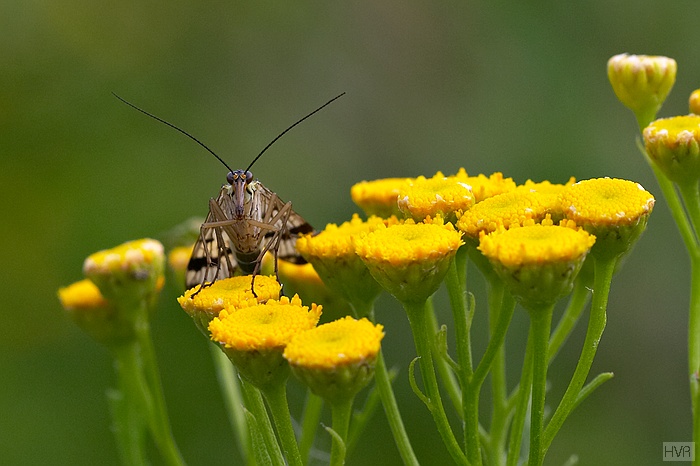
{"x":212,"y":256}
{"x":289,"y":230}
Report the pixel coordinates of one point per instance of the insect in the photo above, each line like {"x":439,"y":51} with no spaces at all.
{"x":245,"y":221}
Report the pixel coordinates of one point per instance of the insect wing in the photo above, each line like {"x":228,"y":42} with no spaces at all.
{"x":288,"y":230}
{"x":212,"y":256}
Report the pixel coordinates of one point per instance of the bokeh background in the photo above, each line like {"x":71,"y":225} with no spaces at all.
{"x":507,"y":86}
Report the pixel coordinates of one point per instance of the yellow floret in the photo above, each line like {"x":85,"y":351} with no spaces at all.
{"x":338,"y":343}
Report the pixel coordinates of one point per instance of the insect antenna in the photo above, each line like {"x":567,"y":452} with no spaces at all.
{"x":178,"y":129}
{"x":292,"y":126}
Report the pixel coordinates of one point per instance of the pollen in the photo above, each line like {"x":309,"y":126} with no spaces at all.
{"x":440,"y":195}
{"x":378,"y":197}
{"x":507,"y":210}
{"x":483,"y":186}
{"x":408,"y":243}
{"x":536,"y":244}
{"x":337,"y":241}
{"x":267,"y":326}
{"x":82,"y":295}
{"x":606,"y":201}
{"x":338,"y":343}
{"x":234,"y":292}
{"x":125,"y":257}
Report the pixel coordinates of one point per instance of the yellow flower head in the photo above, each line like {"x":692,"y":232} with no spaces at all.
{"x":336,"y":360}
{"x":506,"y":210}
{"x":409,"y":260}
{"x":96,"y":316}
{"x":228,"y":292}
{"x":642,"y":82}
{"x":378,"y":197}
{"x":178,"y":258}
{"x":130,"y":272}
{"x":673,"y":144}
{"x":81,"y":296}
{"x":484,"y":187}
{"x":614,"y":210}
{"x":447,"y":196}
{"x":694,"y":102}
{"x":537,"y":262}
{"x":254,"y":337}
{"x":332,"y":253}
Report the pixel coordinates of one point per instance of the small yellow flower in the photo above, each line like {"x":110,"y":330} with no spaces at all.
{"x":231,"y":292}
{"x":178,"y":258}
{"x":614,"y":210}
{"x":378,"y":197}
{"x":254,"y":337}
{"x":484,"y":187}
{"x":130,"y":272}
{"x":673,"y":144}
{"x":96,"y":316}
{"x":336,"y":360}
{"x":506,"y":210}
{"x":537,"y":262}
{"x":332,"y":253}
{"x":409,"y":260}
{"x":694,"y":102}
{"x":440,"y":195}
{"x":642,"y":82}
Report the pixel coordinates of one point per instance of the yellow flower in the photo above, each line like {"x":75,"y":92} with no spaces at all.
{"x":96,"y":316}
{"x":694,"y":102}
{"x":254,"y":337}
{"x":515,"y":208}
{"x":332,"y":253}
{"x":484,"y":187}
{"x":409,"y":260}
{"x":642,"y":82}
{"x":82,"y":295}
{"x":336,"y":360}
{"x":130,"y":271}
{"x":614,"y":210}
{"x":673,"y":144}
{"x":378,"y":197}
{"x":537,"y":262}
{"x":439,"y":195}
{"x":231,"y":292}
{"x":178,"y":258}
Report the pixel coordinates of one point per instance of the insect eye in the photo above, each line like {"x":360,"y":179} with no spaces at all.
{"x":248,"y":177}
{"x":230,"y":178}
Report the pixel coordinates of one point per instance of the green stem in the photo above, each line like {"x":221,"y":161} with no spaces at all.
{"x":341,"y":413}
{"x":540,"y":326}
{"x":522,"y":396}
{"x":391,"y":408}
{"x":158,"y":414}
{"x":276,"y":397}
{"x":456,"y":283}
{"x":309,"y":421}
{"x":501,"y":308}
{"x":420,"y":325}
{"x":266,"y":449}
{"x":233,"y":400}
{"x":128,"y":403}
{"x":444,"y":369}
{"x":604,"y":269}
{"x":578,"y":301}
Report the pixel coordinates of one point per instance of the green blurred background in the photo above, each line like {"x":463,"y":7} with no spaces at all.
{"x":516,"y":87}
